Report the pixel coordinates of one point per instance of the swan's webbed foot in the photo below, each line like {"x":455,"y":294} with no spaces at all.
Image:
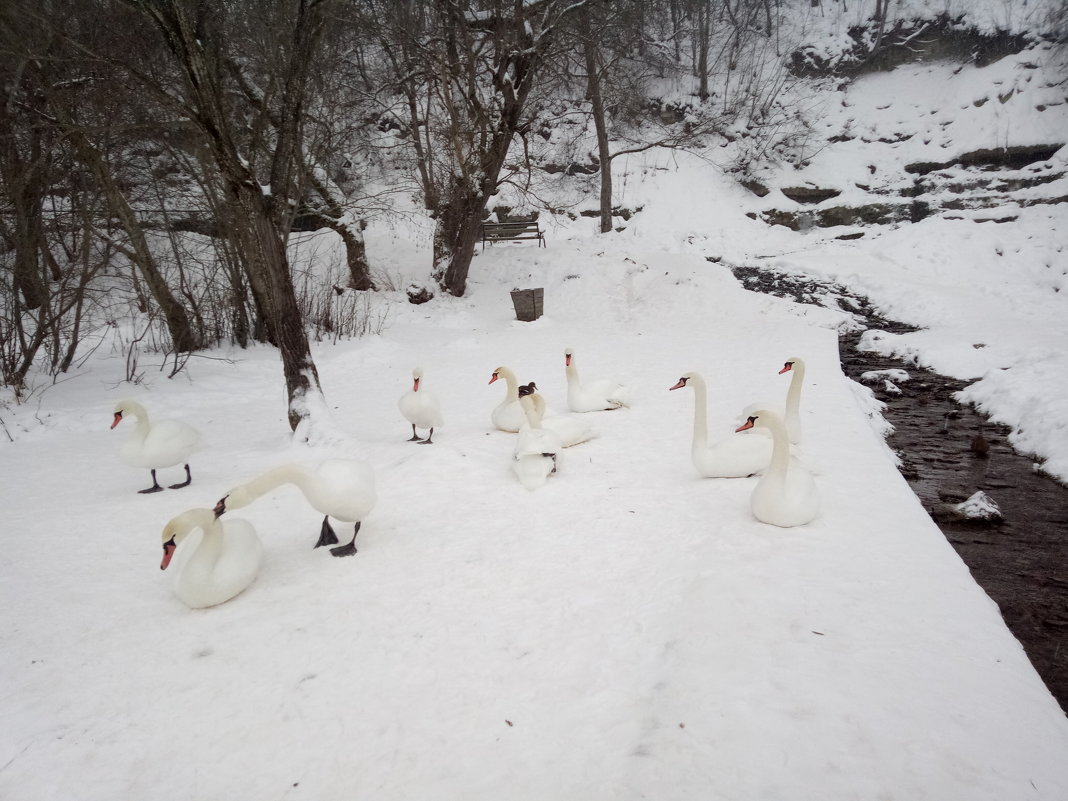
{"x":187,"y":482}
{"x":414,"y":437}
{"x":344,"y":550}
{"x":347,"y":550}
{"x":326,"y":534}
{"x":429,"y":436}
{"x":154,"y":488}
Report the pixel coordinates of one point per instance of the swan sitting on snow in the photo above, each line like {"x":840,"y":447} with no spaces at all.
{"x":420,"y":408}
{"x":508,"y":414}
{"x":156,"y":445}
{"x":734,"y":456}
{"x":786,"y":494}
{"x":219,"y":566}
{"x":593,"y":396}
{"x":340,"y":488}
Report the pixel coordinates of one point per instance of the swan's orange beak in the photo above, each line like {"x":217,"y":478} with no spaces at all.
{"x":117,"y":420}
{"x":567,"y":360}
{"x":220,"y":507}
{"x":746,"y":425}
{"x":168,"y":552}
{"x":680,"y":385}
{"x":786,"y":368}
{"x":415,"y":385}
{"x":493,"y":378}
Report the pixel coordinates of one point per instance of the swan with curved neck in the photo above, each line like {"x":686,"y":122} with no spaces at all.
{"x":343,"y":489}
{"x":534,"y":458}
{"x":156,"y":445}
{"x":421,"y":408}
{"x":508,"y":414}
{"x":786,"y":494}
{"x":571,"y":429}
{"x":735,"y":456}
{"x":594,"y":396}
{"x":219,"y":566}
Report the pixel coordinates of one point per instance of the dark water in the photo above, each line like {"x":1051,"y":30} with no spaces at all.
{"x":948,"y":453}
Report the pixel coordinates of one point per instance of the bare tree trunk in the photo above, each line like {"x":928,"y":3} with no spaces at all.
{"x":265,"y":254}
{"x":25,"y":190}
{"x":600,"y":124}
{"x":355,"y":251}
{"x":455,"y":237}
{"x":259,"y":217}
{"x":703,"y":34}
{"x":350,"y":231}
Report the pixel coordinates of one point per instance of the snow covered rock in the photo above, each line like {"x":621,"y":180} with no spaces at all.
{"x":978,"y":508}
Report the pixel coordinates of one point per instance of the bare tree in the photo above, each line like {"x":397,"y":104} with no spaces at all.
{"x":259,"y":203}
{"x":466,"y":71}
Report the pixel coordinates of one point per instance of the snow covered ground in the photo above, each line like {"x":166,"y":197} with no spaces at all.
{"x":627,"y":631}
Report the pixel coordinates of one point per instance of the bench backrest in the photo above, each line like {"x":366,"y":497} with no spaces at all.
{"x":504,"y":228}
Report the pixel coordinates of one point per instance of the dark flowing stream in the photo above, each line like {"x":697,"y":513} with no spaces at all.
{"x":948,"y":453}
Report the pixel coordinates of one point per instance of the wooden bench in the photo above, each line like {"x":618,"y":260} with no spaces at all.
{"x":519,"y":229}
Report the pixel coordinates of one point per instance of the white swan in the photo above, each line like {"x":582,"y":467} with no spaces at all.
{"x":223,"y":563}
{"x":791,"y":412}
{"x":594,"y":396}
{"x":536,"y":451}
{"x":786,"y":494}
{"x":734,"y":456}
{"x":508,"y":414}
{"x":340,"y":488}
{"x":570,"y":428}
{"x":421,"y":408}
{"x":156,"y":445}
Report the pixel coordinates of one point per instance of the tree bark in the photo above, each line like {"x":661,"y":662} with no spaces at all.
{"x":600,"y":124}
{"x":25,"y":190}
{"x":333,"y":217}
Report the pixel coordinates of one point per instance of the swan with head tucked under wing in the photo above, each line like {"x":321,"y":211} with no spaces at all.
{"x":219,"y":566}
{"x":536,"y":451}
{"x":571,"y":429}
{"x":508,"y":414}
{"x":421,"y":408}
{"x":594,"y":396}
{"x":343,"y":489}
{"x":791,"y":412}
{"x":735,"y":456}
{"x":156,"y":445}
{"x":786,"y":494}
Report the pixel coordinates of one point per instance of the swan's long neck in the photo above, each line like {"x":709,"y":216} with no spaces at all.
{"x":792,"y":410}
{"x":572,"y":374}
{"x":210,"y":548}
{"x":700,"y":413}
{"x":780,"y":451}
{"x":533,"y":409}
{"x":245,"y":494}
{"x":141,"y":427}
{"x":793,"y":394}
{"x":512,"y":390}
